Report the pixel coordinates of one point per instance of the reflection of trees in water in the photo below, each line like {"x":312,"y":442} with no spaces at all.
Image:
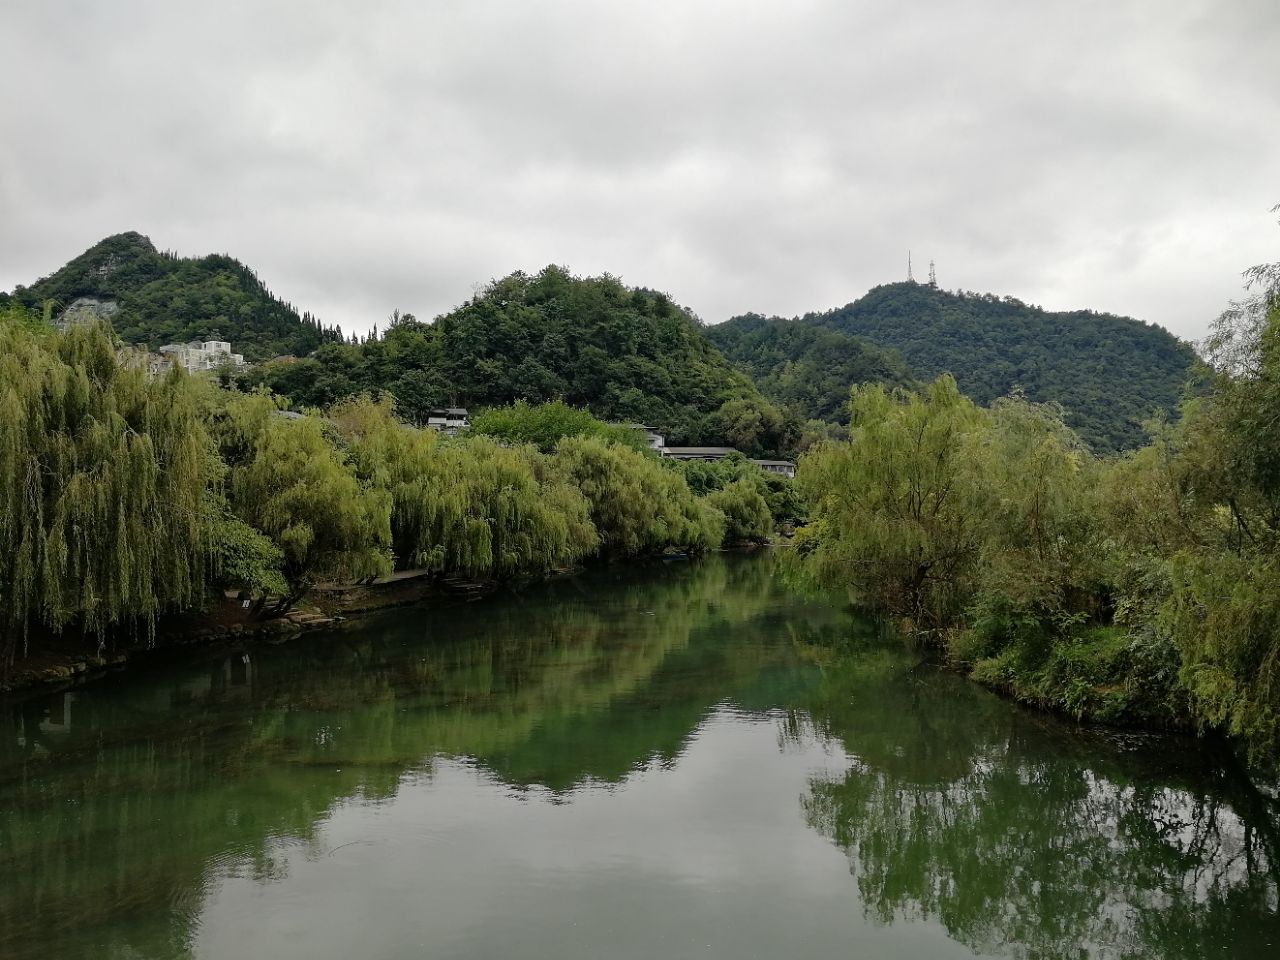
{"x":117,"y":817}
{"x":1027,"y":839}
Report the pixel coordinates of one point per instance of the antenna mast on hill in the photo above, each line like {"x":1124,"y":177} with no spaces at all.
{"x":910,"y":277}
{"x":933,"y":276}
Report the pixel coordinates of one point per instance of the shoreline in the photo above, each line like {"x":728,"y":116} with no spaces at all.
{"x":70,"y":662}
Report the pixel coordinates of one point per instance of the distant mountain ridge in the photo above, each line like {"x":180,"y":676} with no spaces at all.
{"x":632,"y":353}
{"x":1110,"y":373}
{"x":155,"y":298}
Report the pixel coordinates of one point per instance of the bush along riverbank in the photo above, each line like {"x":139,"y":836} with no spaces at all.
{"x":1143,"y":590}
{"x":131,"y":502}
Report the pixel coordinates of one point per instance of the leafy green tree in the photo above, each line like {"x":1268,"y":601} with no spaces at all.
{"x":289,"y":481}
{"x":637,"y":505}
{"x":897,"y":511}
{"x":468,"y":506}
{"x":546,"y":424}
{"x":103,"y":474}
{"x":747,"y":516}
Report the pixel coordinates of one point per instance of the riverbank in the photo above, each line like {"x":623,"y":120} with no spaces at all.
{"x":67,"y":661}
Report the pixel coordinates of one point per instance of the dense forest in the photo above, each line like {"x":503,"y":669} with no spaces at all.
{"x":625,"y":354}
{"x":155,"y":298}
{"x":1111,"y":374}
{"x":1141,"y":589}
{"x":803,"y":367}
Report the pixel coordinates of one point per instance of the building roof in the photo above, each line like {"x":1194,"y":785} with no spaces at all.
{"x":698,"y":451}
{"x":774,"y":463}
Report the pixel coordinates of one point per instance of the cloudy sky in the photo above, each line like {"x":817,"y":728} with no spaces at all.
{"x":743,"y":156}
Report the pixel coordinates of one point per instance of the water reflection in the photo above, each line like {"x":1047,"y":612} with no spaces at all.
{"x":1026,"y":838}
{"x":695,"y":702}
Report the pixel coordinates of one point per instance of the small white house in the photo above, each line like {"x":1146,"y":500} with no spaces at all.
{"x":448,"y":420}
{"x":202,"y":355}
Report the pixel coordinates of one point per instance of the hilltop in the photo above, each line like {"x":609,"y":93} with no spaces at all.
{"x":1110,"y":373}
{"x":624,"y":353}
{"x":155,"y":298}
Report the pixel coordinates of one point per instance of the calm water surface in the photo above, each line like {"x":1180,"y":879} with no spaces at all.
{"x":678,"y":761}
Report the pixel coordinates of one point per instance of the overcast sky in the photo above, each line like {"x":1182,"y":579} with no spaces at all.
{"x":743,"y":156}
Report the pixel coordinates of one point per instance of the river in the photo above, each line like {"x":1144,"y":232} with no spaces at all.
{"x":668,"y":761}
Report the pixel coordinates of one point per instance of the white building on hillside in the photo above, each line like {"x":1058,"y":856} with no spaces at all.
{"x":448,"y":420}
{"x":201,"y":355}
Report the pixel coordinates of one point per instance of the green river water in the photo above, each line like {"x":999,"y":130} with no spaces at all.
{"x":681,"y":760}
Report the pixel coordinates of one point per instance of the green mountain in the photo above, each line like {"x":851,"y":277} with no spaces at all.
{"x":624,"y":353}
{"x":156,"y":298}
{"x":1110,"y":373}
{"x":804,"y":367}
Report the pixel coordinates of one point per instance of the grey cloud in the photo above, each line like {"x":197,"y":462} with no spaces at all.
{"x":769,"y":157}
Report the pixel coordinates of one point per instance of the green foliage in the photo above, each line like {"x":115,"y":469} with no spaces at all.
{"x":103,"y":473}
{"x":899,"y":503}
{"x":469,"y":506}
{"x":781,"y":495}
{"x":1142,"y":589}
{"x":1111,"y":374}
{"x":747,"y":516}
{"x":290,"y":482}
{"x":805,"y":367}
{"x":241,"y":556}
{"x":621,"y":353}
{"x":159,"y":298}
{"x":545,"y":424}
{"x":638,"y":506}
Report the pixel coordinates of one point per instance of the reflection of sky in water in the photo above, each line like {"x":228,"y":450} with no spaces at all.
{"x":709,"y":857}
{"x":687,"y":763}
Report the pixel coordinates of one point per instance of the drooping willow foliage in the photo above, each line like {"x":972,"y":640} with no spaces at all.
{"x":637,"y":504}
{"x":289,"y":481}
{"x":125,"y":495}
{"x":746,"y":512}
{"x":103,"y":473}
{"x":467,"y":506}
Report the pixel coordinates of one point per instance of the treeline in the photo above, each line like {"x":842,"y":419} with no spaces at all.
{"x":124,"y":496}
{"x":1144,"y":588}
{"x":623,"y":353}
{"x":1109,"y":373}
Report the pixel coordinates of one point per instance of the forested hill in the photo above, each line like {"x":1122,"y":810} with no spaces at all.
{"x":156,"y":298}
{"x":623,"y":353}
{"x":1110,"y":373}
{"x":805,"y":367}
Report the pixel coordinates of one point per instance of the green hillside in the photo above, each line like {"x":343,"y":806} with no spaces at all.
{"x":807,"y":368}
{"x":1110,"y":373}
{"x":624,"y":353}
{"x":156,"y":298}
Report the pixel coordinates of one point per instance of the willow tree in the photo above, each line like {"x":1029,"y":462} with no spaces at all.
{"x":897,"y":509}
{"x":103,"y":476}
{"x":637,"y":504}
{"x":1223,"y":607}
{"x":289,"y":481}
{"x":472,"y":506}
{"x":746,"y":512}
